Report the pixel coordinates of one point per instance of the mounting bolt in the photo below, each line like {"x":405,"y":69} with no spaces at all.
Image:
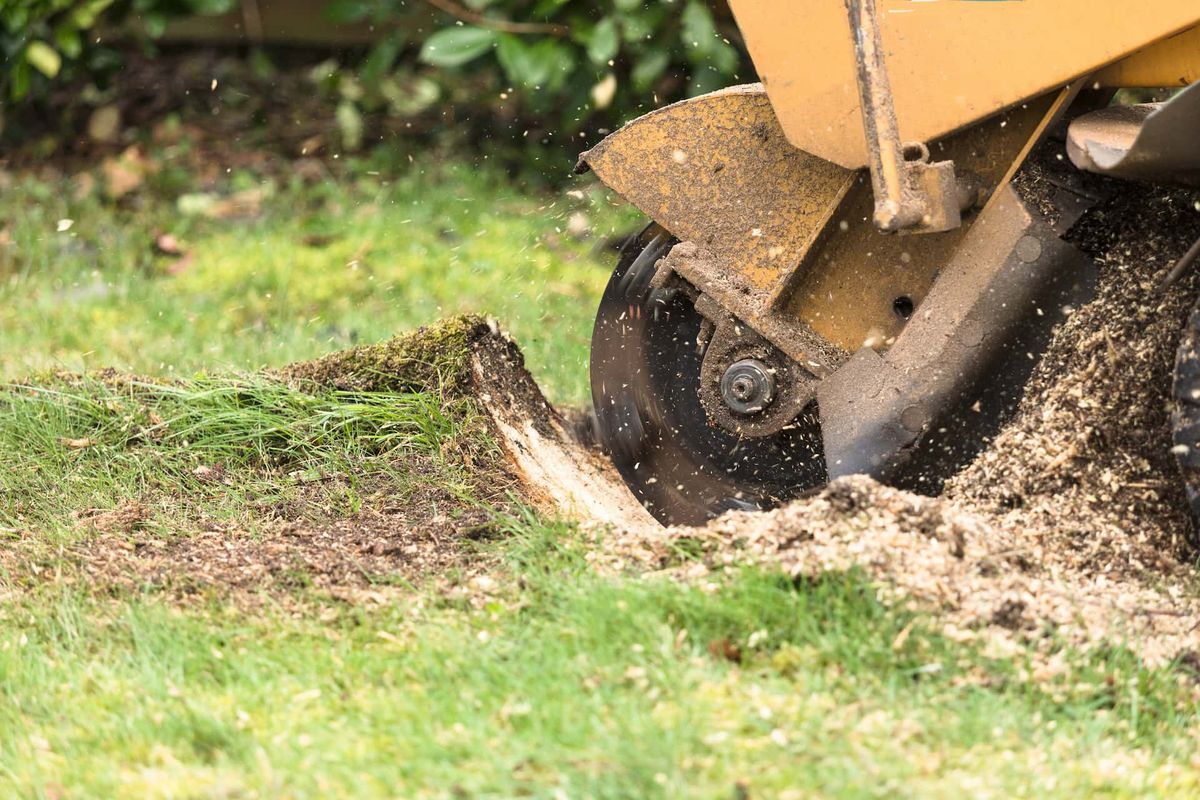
{"x":748,"y":386}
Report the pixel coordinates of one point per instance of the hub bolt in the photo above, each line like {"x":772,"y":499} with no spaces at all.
{"x":748,"y":386}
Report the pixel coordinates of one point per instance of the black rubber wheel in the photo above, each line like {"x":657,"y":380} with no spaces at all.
{"x":1185,"y":410}
{"x":645,"y":375}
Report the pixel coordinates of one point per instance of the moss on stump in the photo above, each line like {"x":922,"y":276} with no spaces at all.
{"x":432,"y":358}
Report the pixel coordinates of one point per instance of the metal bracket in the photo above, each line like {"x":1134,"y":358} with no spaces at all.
{"x":911,"y":194}
{"x":925,"y":401}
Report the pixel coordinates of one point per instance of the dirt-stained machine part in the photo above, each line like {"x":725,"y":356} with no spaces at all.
{"x":1157,"y":142}
{"x":646,"y":374}
{"x":791,"y":387}
{"x":960,"y":363}
{"x":791,"y":253}
{"x":856,"y":286}
{"x":1174,"y":61}
{"x":717,"y":172}
{"x":911,"y":194}
{"x":720,"y":295}
{"x":772,"y":253}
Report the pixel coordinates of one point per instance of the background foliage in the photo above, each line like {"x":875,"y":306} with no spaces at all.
{"x":43,"y":40}
{"x":534,"y":72}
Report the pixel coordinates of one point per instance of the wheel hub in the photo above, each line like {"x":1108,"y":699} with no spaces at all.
{"x":748,"y":386}
{"x":660,"y":408}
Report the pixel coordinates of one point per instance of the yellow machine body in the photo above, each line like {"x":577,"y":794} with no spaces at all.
{"x":758,"y":175}
{"x":955,"y":62}
{"x":765,"y":334}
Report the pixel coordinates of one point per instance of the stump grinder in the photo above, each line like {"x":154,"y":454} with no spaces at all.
{"x":840,"y":275}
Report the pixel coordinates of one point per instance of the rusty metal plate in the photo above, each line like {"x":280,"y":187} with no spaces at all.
{"x":717,"y":170}
{"x":858,"y":286}
{"x":956,"y":370}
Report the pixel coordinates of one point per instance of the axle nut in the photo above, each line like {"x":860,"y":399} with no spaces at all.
{"x":748,"y":386}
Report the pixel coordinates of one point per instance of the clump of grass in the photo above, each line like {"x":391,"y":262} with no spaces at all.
{"x":80,"y":442}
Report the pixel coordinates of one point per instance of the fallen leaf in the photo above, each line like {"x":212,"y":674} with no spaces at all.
{"x":104,"y":124}
{"x":206,"y":473}
{"x":312,"y":145}
{"x":723,"y":648}
{"x":126,"y":172}
{"x":168,"y":245}
{"x":120,"y":179}
{"x":241,"y":205}
{"x":180,"y":265}
{"x":125,"y":518}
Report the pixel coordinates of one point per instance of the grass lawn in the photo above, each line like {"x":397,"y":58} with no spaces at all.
{"x":516,"y":671}
{"x":281,"y":269}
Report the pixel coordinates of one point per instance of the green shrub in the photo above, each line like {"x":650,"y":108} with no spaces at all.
{"x":566,"y":65}
{"x":42,"y":39}
{"x":517,"y":76}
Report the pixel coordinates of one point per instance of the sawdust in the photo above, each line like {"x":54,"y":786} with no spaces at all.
{"x":1088,"y":456}
{"x":992,"y":583}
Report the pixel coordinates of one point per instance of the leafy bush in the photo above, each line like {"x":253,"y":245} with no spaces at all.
{"x":42,"y":38}
{"x":562,"y":61}
{"x":511,"y":75}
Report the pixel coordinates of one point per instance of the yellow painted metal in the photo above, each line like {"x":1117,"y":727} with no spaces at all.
{"x":1171,"y":62}
{"x":716,"y":170}
{"x":791,"y":233}
{"x":951,"y":62}
{"x":846,"y":291}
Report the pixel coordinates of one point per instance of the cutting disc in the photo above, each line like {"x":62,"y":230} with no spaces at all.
{"x":645,"y":373}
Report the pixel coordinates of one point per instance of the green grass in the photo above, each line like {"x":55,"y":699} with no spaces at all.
{"x":82,"y":443}
{"x":572,"y":685}
{"x":560,"y":682}
{"x":323,"y":266}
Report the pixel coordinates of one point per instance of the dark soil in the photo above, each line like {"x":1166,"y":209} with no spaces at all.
{"x":430,"y":534}
{"x":230,"y":113}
